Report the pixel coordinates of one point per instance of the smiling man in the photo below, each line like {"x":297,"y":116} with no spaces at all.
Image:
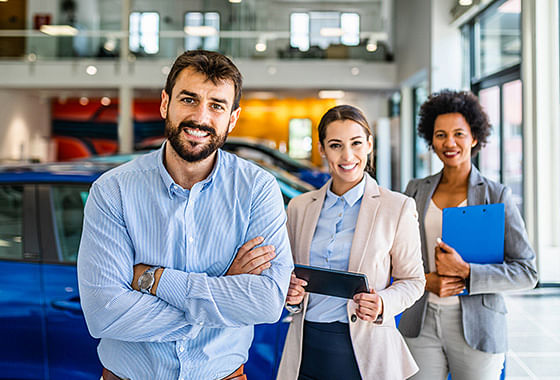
{"x":184,"y":249}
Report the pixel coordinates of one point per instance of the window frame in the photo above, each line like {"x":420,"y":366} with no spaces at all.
{"x":309,"y":34}
{"x":203,"y":16}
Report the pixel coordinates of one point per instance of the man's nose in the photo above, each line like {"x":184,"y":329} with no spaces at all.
{"x":201,"y":114}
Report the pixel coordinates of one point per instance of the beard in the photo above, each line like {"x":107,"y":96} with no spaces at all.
{"x":193,"y":151}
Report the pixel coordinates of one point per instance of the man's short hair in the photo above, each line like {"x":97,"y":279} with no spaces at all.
{"x":215,"y":66}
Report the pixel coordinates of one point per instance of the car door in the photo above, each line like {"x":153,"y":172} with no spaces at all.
{"x":22,"y":354}
{"x":72,"y":352}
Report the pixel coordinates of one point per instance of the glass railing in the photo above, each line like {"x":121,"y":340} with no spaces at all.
{"x":32,"y":45}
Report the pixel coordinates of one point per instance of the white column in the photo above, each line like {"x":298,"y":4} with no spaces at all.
{"x":126,"y":126}
{"x":407,"y":137}
{"x":383,"y":152}
{"x":541,"y":137}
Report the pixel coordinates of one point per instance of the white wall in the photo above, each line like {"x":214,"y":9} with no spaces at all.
{"x":24,"y":126}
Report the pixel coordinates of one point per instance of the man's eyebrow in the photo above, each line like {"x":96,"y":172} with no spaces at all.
{"x":218,"y":100}
{"x":185,"y":92}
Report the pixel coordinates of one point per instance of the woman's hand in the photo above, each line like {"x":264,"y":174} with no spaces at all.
{"x":444,"y":286}
{"x":296,"y":292}
{"x":370,"y":305}
{"x":449,"y":262}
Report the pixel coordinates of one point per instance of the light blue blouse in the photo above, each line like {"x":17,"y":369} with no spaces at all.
{"x":330,"y":248}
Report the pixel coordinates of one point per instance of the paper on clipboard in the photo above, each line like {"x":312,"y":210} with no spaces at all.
{"x":476,"y":232}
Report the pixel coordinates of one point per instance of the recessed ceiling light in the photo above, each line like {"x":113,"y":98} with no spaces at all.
{"x":105,"y":101}
{"x":371,"y":46}
{"x":260,"y":46}
{"x":465,"y":3}
{"x":91,"y":70}
{"x":84,"y":101}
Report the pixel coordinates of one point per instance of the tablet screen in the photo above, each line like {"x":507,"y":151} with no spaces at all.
{"x":332,"y":282}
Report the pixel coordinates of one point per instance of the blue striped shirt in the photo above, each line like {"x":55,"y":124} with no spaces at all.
{"x":330,"y":248}
{"x":200,"y":324}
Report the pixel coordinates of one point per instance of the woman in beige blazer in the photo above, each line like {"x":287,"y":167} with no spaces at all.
{"x":352,"y":224}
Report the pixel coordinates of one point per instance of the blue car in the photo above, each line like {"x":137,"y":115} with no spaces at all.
{"x":42,"y":328}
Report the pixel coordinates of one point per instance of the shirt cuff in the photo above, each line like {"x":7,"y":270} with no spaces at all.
{"x":172,"y":287}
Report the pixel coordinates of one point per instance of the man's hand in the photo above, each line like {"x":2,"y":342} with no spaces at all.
{"x":444,"y":286}
{"x":252,"y":260}
{"x":449,"y":262}
{"x":370,"y":305}
{"x":296,"y":291}
{"x":139,"y":269}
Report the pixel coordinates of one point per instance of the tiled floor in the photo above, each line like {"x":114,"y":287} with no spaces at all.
{"x":534,"y":335}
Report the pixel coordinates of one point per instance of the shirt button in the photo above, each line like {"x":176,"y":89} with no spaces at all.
{"x":191,"y":239}
{"x":181,"y":348}
{"x":353,"y":318}
{"x":339,"y":215}
{"x":181,"y":378}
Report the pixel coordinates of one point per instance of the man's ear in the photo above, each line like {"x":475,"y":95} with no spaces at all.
{"x":233,"y":119}
{"x":164,"y":104}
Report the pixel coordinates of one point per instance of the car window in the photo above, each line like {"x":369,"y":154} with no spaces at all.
{"x":11,"y":222}
{"x":68,"y":203}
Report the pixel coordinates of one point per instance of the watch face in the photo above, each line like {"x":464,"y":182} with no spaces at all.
{"x":146,"y":280}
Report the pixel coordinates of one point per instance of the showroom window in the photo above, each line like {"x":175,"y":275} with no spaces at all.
{"x":300,"y":143}
{"x":202,"y":30}
{"x":11,"y":222}
{"x":68,"y":204}
{"x":493,"y":72}
{"x":144,"y":32}
{"x":323,"y":29}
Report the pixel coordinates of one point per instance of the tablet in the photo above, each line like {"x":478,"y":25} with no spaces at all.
{"x":332,"y":282}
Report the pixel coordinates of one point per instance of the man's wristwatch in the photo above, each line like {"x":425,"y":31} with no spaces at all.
{"x":147,"y":279}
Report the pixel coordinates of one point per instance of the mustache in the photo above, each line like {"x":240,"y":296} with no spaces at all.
{"x":202,"y":127}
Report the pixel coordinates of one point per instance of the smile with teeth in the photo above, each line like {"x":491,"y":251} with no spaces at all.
{"x":450,"y":154}
{"x":348,"y":167}
{"x":195,"y":132}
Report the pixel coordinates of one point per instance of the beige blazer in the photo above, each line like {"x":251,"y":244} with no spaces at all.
{"x":386,"y":244}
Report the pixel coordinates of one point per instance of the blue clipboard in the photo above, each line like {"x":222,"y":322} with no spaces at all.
{"x":476,"y":232}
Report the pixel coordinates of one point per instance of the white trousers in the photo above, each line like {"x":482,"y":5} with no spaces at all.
{"x":441,"y":348}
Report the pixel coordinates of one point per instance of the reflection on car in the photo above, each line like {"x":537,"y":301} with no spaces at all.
{"x":41,"y":321}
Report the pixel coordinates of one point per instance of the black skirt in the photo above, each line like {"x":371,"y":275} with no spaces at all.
{"x":327,"y":352}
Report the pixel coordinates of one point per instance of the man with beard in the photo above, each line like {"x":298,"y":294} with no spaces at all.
{"x":184,"y":249}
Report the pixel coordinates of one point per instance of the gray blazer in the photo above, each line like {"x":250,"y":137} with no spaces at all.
{"x":484,"y":309}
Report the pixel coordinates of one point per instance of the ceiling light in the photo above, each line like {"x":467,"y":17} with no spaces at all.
{"x":110,"y":44}
{"x":91,"y":70}
{"x":235,"y":1}
{"x":331,"y":32}
{"x":371,"y":46}
{"x":84,"y":101}
{"x":272,"y":70}
{"x":260,"y":46}
{"x":165,"y":70}
{"x":200,"y":31}
{"x":331,"y":94}
{"x":105,"y":101}
{"x":355,"y":71}
{"x":465,"y":3}
{"x":59,"y":30}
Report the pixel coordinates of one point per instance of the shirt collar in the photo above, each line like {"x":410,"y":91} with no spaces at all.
{"x":168,"y":181}
{"x":350,"y":197}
